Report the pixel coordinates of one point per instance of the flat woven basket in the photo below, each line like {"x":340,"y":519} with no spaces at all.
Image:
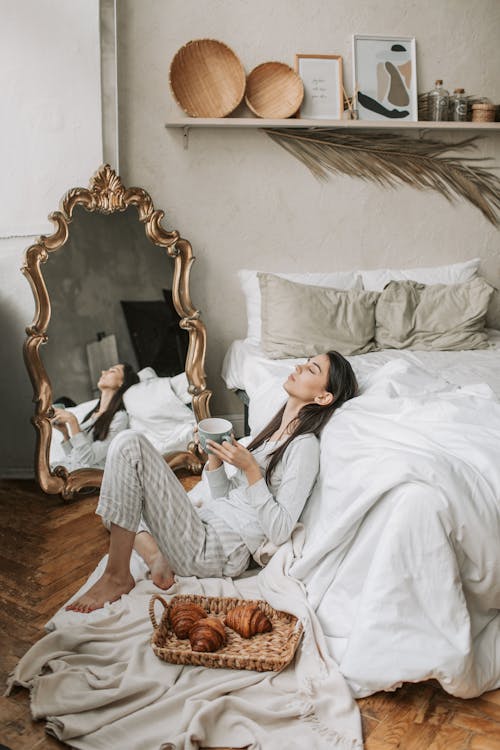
{"x":264,"y":652}
{"x":274,"y":90}
{"x":207,"y":79}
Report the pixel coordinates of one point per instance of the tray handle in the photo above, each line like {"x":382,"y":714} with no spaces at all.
{"x":152,"y":601}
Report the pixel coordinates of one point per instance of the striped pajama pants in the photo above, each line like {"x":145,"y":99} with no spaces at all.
{"x":138,"y":483}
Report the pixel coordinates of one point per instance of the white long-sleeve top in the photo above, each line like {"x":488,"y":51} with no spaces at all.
{"x":259,"y":513}
{"x":83,"y":452}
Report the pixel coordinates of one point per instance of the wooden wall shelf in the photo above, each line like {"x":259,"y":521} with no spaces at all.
{"x":255,"y":122}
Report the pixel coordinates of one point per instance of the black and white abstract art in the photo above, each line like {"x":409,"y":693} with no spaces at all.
{"x":385,"y":77}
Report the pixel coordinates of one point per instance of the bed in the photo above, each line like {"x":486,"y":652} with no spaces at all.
{"x":401,"y":560}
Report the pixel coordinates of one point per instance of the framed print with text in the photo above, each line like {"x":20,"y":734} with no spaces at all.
{"x":323,"y":87}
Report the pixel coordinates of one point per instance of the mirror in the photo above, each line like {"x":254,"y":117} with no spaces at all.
{"x":114,"y":288}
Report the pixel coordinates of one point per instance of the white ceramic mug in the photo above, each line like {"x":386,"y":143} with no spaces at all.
{"x":215,"y":429}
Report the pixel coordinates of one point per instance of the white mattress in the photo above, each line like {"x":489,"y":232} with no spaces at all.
{"x":247,"y":368}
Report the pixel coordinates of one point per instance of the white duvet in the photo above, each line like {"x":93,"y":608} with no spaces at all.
{"x":402,"y":553}
{"x":246,"y":367}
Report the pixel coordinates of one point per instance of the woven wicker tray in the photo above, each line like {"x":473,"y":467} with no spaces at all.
{"x":262,"y":653}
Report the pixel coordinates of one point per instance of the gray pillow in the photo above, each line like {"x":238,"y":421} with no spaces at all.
{"x":439,"y":317}
{"x":490,"y":271}
{"x":299,"y":320}
{"x":493,"y":315}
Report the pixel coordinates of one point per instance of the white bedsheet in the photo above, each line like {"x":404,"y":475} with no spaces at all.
{"x":246,"y":367}
{"x":402,"y":559}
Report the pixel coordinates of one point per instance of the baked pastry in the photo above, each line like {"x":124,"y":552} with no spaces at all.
{"x":183,"y":616}
{"x":208,"y":634}
{"x":248,"y":620}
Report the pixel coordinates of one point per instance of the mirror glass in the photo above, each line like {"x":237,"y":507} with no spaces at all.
{"x":109,"y":281}
{"x":113,"y":296}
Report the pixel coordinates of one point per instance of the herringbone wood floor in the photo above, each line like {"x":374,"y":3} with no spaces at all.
{"x":47,"y":550}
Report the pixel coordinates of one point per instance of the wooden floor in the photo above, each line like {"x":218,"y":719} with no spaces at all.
{"x":48,"y":548}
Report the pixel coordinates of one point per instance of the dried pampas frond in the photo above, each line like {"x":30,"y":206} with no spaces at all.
{"x":391,"y":158}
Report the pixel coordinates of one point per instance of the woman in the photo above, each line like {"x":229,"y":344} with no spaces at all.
{"x":86,"y":444}
{"x":262,"y":502}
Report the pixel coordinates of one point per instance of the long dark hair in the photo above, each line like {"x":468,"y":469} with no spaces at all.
{"x":312,"y":417}
{"x":102,"y":423}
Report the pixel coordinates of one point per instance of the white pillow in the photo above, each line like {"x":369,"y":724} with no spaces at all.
{"x":457,"y":273}
{"x":250,"y":286}
{"x":157,"y":413}
{"x":154,"y":401}
{"x":179,"y":383}
{"x":180,"y":387}
{"x":146,"y":373}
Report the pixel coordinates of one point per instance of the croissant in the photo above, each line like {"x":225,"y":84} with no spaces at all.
{"x":183,"y":616}
{"x":248,"y":620}
{"x":208,"y":634}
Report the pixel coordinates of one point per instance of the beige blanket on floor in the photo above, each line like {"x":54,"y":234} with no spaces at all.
{"x":99,"y":686}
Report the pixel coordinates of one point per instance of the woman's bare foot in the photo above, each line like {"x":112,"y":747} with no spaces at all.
{"x":161,"y":572}
{"x":107,"y":589}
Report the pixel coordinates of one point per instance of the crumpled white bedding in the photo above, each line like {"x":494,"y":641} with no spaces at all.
{"x":246,"y":367}
{"x":402,"y":555}
{"x":402,"y":559}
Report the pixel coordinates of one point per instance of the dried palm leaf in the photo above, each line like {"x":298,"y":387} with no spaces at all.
{"x":391,"y":158}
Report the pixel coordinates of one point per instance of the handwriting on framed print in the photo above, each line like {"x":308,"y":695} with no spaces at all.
{"x":323,"y":88}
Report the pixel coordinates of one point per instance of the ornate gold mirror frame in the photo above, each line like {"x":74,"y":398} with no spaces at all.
{"x":107,"y":194}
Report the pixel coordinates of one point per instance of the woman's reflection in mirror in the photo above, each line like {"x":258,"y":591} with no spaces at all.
{"x":86,"y":443}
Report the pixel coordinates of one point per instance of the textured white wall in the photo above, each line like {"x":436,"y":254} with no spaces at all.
{"x":51,"y":90}
{"x":50,"y":141}
{"x":240,"y":199}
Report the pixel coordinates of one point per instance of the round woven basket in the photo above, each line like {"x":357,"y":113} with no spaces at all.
{"x":274,"y":90}
{"x":483,"y":112}
{"x":207,"y":79}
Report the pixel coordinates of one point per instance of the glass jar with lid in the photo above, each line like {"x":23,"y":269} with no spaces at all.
{"x":438,"y":102}
{"x":458,"y":106}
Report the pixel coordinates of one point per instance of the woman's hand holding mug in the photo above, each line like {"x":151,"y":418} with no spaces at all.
{"x":216,"y":430}
{"x":217,"y":438}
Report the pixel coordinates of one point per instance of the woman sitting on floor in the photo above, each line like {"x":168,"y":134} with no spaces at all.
{"x":86,"y":444}
{"x":262,"y":502}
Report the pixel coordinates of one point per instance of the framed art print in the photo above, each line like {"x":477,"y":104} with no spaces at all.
{"x":385,"y":77}
{"x":323,"y":88}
